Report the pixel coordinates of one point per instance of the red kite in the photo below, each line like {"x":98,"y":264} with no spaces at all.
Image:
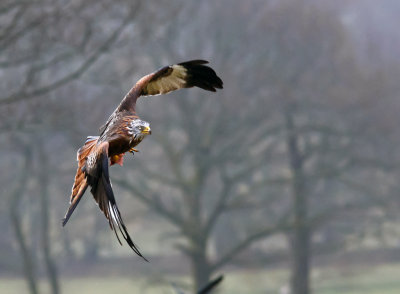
{"x":123,"y":131}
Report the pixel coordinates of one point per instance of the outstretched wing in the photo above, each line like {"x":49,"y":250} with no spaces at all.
{"x":93,"y":172}
{"x":183,"y":75}
{"x":187,"y":74}
{"x":98,"y":178}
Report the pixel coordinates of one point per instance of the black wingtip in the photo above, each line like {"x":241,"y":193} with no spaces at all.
{"x":202,"y":76}
{"x":115,"y":218}
{"x":144,"y":258}
{"x":132,"y":245}
{"x":194,"y":62}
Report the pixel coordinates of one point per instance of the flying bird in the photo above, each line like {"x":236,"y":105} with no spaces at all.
{"x":123,"y":131}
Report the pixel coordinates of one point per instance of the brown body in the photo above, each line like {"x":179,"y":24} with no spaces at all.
{"x":117,"y":135}
{"x":123,"y":131}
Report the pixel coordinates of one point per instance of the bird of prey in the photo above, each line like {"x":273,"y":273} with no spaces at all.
{"x":123,"y":131}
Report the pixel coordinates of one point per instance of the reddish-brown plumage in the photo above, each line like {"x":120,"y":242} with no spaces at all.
{"x":123,"y":131}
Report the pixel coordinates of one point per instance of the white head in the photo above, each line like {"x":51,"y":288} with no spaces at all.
{"x":139,"y":129}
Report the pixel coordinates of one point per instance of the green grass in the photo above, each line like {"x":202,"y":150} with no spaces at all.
{"x":382,"y":279}
{"x":98,"y":285}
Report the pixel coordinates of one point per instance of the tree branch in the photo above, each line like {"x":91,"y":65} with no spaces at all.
{"x":24,"y":95}
{"x":279,"y":228}
{"x":154,"y":203}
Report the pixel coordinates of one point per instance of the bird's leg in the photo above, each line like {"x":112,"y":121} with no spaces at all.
{"x":118,"y":158}
{"x":132,"y":150}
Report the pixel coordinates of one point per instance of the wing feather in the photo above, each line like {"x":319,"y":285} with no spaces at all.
{"x":187,"y":74}
{"x":182,"y":75}
{"x":99,"y":180}
{"x":93,"y":171}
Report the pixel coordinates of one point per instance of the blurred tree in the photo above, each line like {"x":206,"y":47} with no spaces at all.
{"x":302,"y":80}
{"x":46,"y":243}
{"x":295,"y":143}
{"x":38,"y":38}
{"x":45,"y":45}
{"x":322,"y":147}
{"x":16,"y":220}
{"x":209,"y":150}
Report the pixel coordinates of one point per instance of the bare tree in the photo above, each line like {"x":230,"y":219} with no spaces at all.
{"x":39,"y":38}
{"x":16,"y":195}
{"x":289,"y":149}
{"x":206,"y":156}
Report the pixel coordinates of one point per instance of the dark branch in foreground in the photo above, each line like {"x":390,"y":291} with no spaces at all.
{"x":207,"y":288}
{"x":210,"y":286}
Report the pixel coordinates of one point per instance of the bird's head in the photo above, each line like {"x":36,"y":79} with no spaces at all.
{"x":139,"y":129}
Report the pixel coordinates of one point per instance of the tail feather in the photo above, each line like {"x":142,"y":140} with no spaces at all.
{"x":74,"y":203}
{"x":80,"y":183}
{"x":93,"y":171}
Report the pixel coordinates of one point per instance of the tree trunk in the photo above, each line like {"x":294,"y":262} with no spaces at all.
{"x":300,"y":238}
{"x":92,"y":244}
{"x":27,"y":260}
{"x":45,"y":233}
{"x":67,"y":246}
{"x":301,"y":256}
{"x":201,"y":269}
{"x":26,"y":255}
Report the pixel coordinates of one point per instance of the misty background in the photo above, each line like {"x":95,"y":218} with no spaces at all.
{"x":286,"y":181}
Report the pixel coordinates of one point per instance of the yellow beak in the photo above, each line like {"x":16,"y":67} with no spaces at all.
{"x":146,"y":131}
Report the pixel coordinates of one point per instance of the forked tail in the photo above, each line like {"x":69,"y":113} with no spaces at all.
{"x":80,"y":183}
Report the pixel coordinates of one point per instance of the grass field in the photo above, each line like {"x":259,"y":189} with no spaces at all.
{"x":382,"y":279}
